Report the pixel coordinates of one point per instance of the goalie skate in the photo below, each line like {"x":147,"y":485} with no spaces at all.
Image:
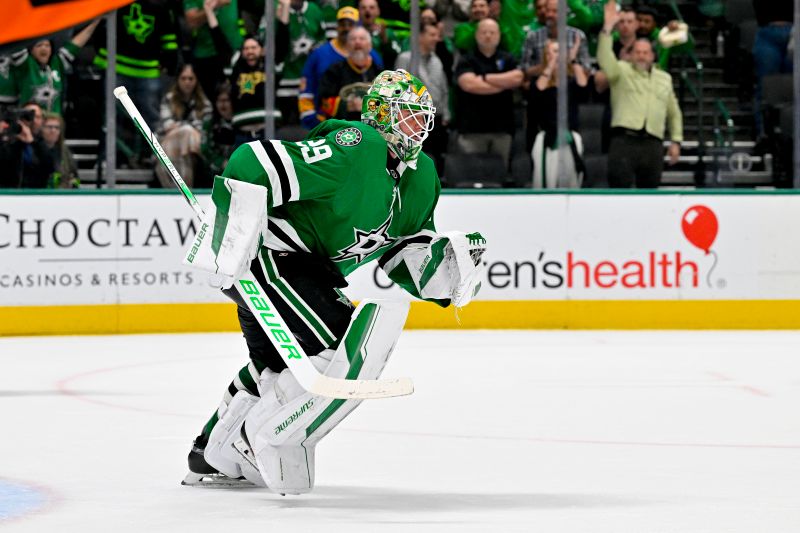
{"x":202,"y":474}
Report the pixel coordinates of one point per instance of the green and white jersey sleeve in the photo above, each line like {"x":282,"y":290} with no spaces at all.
{"x":266,"y":163}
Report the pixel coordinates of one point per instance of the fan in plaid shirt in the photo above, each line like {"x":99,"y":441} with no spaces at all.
{"x":535,"y":43}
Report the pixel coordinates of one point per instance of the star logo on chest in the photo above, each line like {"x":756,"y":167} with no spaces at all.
{"x":366,"y":243}
{"x":44,"y":95}
{"x":138,"y":24}
{"x":248,"y":81}
{"x":302,"y":45}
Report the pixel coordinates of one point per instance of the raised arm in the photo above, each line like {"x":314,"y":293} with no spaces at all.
{"x":605,"y":53}
{"x":82,"y":37}
{"x":283,"y":13}
{"x":195,"y":17}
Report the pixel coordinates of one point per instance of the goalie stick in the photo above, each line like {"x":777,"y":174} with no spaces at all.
{"x":259,"y":304}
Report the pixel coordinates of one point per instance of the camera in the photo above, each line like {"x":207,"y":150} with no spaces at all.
{"x":13,"y":115}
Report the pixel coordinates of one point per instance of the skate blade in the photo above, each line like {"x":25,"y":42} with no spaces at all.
{"x":216,"y":481}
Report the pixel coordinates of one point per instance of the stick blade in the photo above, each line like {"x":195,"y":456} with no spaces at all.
{"x":362,"y":389}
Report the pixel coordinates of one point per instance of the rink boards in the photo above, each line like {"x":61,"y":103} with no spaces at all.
{"x":111,"y":262}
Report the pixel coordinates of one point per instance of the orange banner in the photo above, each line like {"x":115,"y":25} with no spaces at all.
{"x":25,"y":19}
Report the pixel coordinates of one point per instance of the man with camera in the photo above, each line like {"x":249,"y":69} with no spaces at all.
{"x":15,"y":134}
{"x":24,"y":156}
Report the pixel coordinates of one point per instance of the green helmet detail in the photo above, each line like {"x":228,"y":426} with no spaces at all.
{"x":400,"y":107}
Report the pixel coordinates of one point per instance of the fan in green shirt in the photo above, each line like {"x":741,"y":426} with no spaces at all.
{"x":40,"y":73}
{"x":228,"y":15}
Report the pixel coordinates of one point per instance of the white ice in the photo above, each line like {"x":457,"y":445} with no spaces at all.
{"x":507,"y":431}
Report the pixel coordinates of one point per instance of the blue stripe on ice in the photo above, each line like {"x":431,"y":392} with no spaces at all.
{"x":17,"y":500}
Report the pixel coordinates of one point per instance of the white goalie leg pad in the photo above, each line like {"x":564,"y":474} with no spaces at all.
{"x":220,"y":452}
{"x":217,"y":452}
{"x":281,"y":395}
{"x":283,"y":439}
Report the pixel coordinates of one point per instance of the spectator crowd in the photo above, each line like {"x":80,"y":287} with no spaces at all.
{"x":195,"y":69}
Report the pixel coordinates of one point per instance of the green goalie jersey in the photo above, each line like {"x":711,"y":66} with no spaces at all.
{"x":340,"y":195}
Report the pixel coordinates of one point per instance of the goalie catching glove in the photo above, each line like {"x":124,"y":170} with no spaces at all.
{"x":230,"y":233}
{"x":464,"y":254}
{"x":450,"y":267}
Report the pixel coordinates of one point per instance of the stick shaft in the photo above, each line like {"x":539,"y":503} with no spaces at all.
{"x":122,"y":95}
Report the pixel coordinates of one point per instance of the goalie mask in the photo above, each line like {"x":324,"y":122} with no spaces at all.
{"x":399,"y":106}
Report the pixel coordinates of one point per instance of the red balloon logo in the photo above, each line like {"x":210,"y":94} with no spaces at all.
{"x":700,"y":226}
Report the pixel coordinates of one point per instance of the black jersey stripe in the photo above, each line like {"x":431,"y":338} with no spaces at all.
{"x":280,"y":234}
{"x":272,"y":153}
{"x":388,"y":256}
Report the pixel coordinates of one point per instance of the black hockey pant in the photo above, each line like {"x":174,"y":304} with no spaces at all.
{"x":304,"y":289}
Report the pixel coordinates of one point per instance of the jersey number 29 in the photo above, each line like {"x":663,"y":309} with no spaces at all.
{"x":314,"y":151}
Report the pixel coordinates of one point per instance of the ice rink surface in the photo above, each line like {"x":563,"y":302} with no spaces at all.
{"x":507,"y":431}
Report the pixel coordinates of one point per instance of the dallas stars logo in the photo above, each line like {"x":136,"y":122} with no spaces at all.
{"x":348,"y":137}
{"x":302,"y":46}
{"x":44,"y":95}
{"x":343,"y":299}
{"x":137,"y":24}
{"x":366,"y":243}
{"x":248,"y":81}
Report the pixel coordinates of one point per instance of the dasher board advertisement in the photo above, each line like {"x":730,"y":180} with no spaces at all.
{"x":553,"y":260}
